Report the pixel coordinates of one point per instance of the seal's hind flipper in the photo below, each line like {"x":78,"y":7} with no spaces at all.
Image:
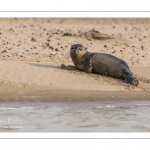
{"x":130,"y":79}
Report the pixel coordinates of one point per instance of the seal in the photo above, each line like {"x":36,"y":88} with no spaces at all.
{"x":100,"y":63}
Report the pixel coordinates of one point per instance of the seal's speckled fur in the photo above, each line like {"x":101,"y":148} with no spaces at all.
{"x":101,"y":63}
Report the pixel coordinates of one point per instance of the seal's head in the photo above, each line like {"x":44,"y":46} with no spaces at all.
{"x":77,"y":50}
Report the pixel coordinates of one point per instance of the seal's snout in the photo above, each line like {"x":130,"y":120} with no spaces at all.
{"x":73,"y":49}
{"x":77,"y":50}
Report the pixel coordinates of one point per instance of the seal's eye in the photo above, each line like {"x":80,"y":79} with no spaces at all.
{"x":80,"y":49}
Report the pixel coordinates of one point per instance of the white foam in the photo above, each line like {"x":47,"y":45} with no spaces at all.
{"x":142,"y":104}
{"x":99,"y":107}
{"x":15,"y":107}
{"x":107,"y":106}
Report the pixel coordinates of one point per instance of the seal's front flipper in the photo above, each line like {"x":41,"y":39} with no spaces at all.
{"x":88,"y":62}
{"x":68,"y":67}
{"x":87,"y":66}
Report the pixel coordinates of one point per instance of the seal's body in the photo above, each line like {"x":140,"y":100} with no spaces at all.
{"x":101,"y":63}
{"x":110,"y":65}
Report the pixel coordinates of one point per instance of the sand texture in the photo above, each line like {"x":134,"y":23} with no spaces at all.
{"x":32,"y":51}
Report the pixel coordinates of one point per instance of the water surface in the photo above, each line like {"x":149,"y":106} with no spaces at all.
{"x":94,"y":116}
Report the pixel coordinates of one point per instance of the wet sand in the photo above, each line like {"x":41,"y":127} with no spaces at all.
{"x":32,"y":51}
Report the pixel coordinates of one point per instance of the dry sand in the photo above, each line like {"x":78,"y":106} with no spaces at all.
{"x":32,"y":51}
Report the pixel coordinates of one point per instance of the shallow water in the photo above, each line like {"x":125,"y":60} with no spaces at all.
{"x":94,"y":116}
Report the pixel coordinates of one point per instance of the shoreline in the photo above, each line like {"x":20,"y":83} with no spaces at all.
{"x":72,"y":96}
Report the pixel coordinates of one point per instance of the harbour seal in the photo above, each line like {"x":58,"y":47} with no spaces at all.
{"x":101,"y":63}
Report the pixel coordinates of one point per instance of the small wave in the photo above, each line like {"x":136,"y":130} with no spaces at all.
{"x":16,"y":107}
{"x":126,"y":106}
{"x":107,"y":106}
{"x":143,"y":104}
